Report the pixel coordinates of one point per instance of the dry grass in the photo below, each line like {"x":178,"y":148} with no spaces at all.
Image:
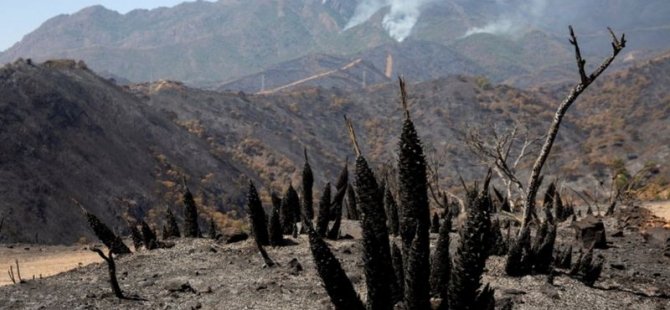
{"x":43,"y":260}
{"x":659,"y":208}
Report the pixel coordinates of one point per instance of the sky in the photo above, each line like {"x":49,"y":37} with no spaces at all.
{"x":20,"y":17}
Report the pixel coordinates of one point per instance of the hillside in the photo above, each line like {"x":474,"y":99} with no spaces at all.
{"x":61,"y":123}
{"x":68,"y":134}
{"x":214,"y":43}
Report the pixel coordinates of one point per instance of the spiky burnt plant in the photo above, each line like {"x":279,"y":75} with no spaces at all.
{"x":441,"y":261}
{"x":352,"y":208}
{"x":414,"y":212}
{"x":324,"y":212}
{"x":275,"y":230}
{"x":172,"y":228}
{"x":391,"y":212}
{"x":191,"y":228}
{"x":104,"y":234}
{"x":338,"y":286}
{"x":290,"y":210}
{"x":534,"y":255}
{"x":465,"y":289}
{"x":213,"y":230}
{"x":148,"y":236}
{"x":257,"y":217}
{"x":587,"y":269}
{"x":136,"y":236}
{"x":379,"y":275}
{"x":335,"y":209}
{"x":307,"y":185}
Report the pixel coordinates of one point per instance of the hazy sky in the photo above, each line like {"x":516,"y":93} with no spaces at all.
{"x":20,"y":17}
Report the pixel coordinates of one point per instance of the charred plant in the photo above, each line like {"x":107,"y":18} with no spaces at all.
{"x":307,"y":185}
{"x":324,"y":212}
{"x":414,"y":212}
{"x":191,"y":228}
{"x":465,"y":289}
{"x":338,"y":286}
{"x":257,"y":217}
{"x":290,"y":210}
{"x":338,"y":201}
{"x":104,"y":234}
{"x":379,"y":275}
{"x":276,"y":233}
{"x":148,"y":236}
{"x":391,"y":212}
{"x":441,"y":262}
{"x":172,"y":228}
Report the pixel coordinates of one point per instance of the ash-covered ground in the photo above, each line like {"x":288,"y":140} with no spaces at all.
{"x":204,"y":274}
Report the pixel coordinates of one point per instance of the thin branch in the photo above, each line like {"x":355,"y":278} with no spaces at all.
{"x":403,"y":96}
{"x":580,"y":62}
{"x":352,"y":136}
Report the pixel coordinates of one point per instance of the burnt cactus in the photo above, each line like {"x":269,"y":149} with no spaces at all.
{"x":290,"y":210}
{"x":587,"y":269}
{"x":213,"y":230}
{"x":465,"y":288}
{"x":497,"y":242}
{"x":257,"y":217}
{"x":414,"y":212}
{"x":391,"y":212}
{"x":338,"y":286}
{"x":352,"y":208}
{"x":106,"y":236}
{"x":376,"y":249}
{"x":172,"y":229}
{"x":275,"y":229}
{"x":136,"y":236}
{"x":307,"y":186}
{"x":324,"y":212}
{"x":441,"y":262}
{"x":148,"y":237}
{"x":563,"y":258}
{"x":396,"y":258}
{"x":518,"y":255}
{"x":191,"y":228}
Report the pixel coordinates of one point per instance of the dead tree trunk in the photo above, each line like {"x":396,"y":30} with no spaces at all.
{"x":112,"y":272}
{"x":534,"y":180}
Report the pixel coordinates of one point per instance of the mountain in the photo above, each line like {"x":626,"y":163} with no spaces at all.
{"x":218,"y":43}
{"x":415,"y":60}
{"x":68,"y":134}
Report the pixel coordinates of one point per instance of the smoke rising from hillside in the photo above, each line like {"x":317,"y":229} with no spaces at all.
{"x":515,"y":16}
{"x":398,"y":22}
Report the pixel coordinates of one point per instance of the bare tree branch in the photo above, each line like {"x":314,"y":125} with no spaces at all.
{"x":533,"y":181}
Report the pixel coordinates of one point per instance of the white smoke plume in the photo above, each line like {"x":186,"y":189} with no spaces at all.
{"x":398,"y":22}
{"x":515,"y":16}
{"x":364,"y":11}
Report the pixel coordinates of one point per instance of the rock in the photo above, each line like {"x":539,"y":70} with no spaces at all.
{"x":237,"y":237}
{"x":618,"y":266}
{"x":294,"y":267}
{"x":590,"y":231}
{"x":512,"y":291}
{"x":146,"y":283}
{"x":618,"y":234}
{"x":656,"y":236}
{"x":550,"y":291}
{"x":179,"y":286}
